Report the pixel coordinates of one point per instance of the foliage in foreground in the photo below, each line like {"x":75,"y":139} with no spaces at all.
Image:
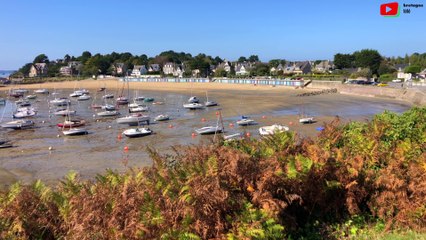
{"x":279,"y":187}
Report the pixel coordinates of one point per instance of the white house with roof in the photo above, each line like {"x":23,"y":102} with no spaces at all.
{"x":154,"y":68}
{"x":138,"y":70}
{"x":242,"y":69}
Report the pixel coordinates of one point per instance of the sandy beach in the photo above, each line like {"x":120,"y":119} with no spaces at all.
{"x":91,"y":155}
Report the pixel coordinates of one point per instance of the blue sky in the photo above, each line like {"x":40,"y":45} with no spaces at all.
{"x":293,"y":30}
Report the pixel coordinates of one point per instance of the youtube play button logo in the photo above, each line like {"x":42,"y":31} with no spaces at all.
{"x":389,"y":9}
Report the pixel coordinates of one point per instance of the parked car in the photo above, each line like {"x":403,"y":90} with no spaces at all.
{"x":397,"y":80}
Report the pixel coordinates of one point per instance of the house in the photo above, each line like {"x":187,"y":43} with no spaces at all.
{"x":65,"y":71}
{"x":154,"y":68}
{"x":422,"y":75}
{"x":302,"y":67}
{"x":38,"y":70}
{"x":277,"y":69}
{"x":119,"y":68}
{"x":401,"y":73}
{"x":75,"y":65}
{"x":289,"y":68}
{"x":169,"y":68}
{"x":139,"y":70}
{"x":196,"y":73}
{"x":242,"y":69}
{"x":226,"y":65}
{"x":178,"y":71}
{"x":324,"y":66}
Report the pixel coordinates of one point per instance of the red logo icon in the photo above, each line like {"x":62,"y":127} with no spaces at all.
{"x":389,"y":9}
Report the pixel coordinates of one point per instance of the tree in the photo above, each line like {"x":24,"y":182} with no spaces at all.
{"x":260,"y":69}
{"x":67,"y":58}
{"x":253,"y":58}
{"x":25,"y":70}
{"x":53,"y":70}
{"x":364,"y":73}
{"x":220,"y":72}
{"x":385,"y":68}
{"x":413,"y":69}
{"x":85,"y":56}
{"x":242,"y":59}
{"x":368,"y":58}
{"x":42,"y":58}
{"x":343,"y":60}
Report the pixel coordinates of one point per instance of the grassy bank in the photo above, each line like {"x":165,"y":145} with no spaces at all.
{"x":360,"y":180}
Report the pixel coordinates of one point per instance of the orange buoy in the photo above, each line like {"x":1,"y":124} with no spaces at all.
{"x":263,"y":117}
{"x":203,"y":119}
{"x":126,"y":148}
{"x":193,"y":135}
{"x":171,"y":126}
{"x":231,"y":125}
{"x":119,"y":136}
{"x":217,"y":113}
{"x":291,"y":123}
{"x":248,"y":134}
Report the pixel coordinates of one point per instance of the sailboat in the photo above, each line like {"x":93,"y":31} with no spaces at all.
{"x":72,"y":131}
{"x":246,"y":121}
{"x":305,"y":119}
{"x":212,"y":129}
{"x":275,"y":128}
{"x":122,"y":100}
{"x":209,"y":103}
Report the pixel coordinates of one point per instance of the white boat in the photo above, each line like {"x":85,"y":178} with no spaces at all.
{"x":122,"y":100}
{"x":134,"y":119}
{"x":162,"y":117}
{"x":139,"y":98}
{"x":245,"y":121}
{"x":31,"y":96}
{"x":233,"y":136}
{"x":77,"y":93}
{"x":64,"y":112}
{"x":2,"y":101}
{"x":108,"y":107}
{"x":307,"y":120}
{"x":209,"y":130}
{"x":193,"y":99}
{"x":108,"y":113}
{"x":85,"y":91}
{"x":143,"y":108}
{"x":137,"y":132}
{"x":25,"y":112}
{"x":75,"y":132}
{"x":83,"y":97}
{"x":18,"y":124}
{"x":133,"y":105}
{"x":209,"y":103}
{"x":60,"y":102}
{"x":108,"y":96}
{"x":269,"y":130}
{"x":41,"y":91}
{"x":193,"y":106}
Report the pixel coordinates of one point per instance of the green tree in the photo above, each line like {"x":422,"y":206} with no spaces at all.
{"x":368,"y":58}
{"x":260,"y":69}
{"x":242,"y":59}
{"x":85,"y":56}
{"x":53,"y":70}
{"x":42,"y":58}
{"x":67,"y":58}
{"x":25,"y":70}
{"x":253,"y":58}
{"x":385,"y":68}
{"x":343,"y":60}
{"x":220,"y":72}
{"x":413,"y":69}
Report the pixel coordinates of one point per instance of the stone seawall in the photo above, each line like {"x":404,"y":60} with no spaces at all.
{"x":412,"y":95}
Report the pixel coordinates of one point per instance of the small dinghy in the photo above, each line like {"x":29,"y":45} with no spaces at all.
{"x":122,"y":101}
{"x":60,"y":102}
{"x":134,"y":119}
{"x":31,"y":97}
{"x":108,"y":107}
{"x":23,"y":114}
{"x":142,"y":108}
{"x":193,"y":99}
{"x":233,"y":136}
{"x":64,"y":112}
{"x":137,"y":132}
{"x":108,"y":96}
{"x":41,"y":91}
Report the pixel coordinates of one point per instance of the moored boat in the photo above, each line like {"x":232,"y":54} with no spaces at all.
{"x":64,"y":112}
{"x":71,"y":123}
{"x":134,"y":119}
{"x":60,"y":102}
{"x":18,"y":124}
{"x":75,"y":132}
{"x":275,"y":128}
{"x":307,"y":120}
{"x":193,"y":106}
{"x":193,"y":99}
{"x":83,"y":97}
{"x":41,"y":91}
{"x":162,"y":117}
{"x":137,"y":132}
{"x":209,"y":130}
{"x":108,"y":113}
{"x":245,"y":121}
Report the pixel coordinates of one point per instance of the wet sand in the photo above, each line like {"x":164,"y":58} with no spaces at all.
{"x":101,"y":149}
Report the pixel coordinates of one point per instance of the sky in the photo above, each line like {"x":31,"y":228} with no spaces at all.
{"x":291,"y":30}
